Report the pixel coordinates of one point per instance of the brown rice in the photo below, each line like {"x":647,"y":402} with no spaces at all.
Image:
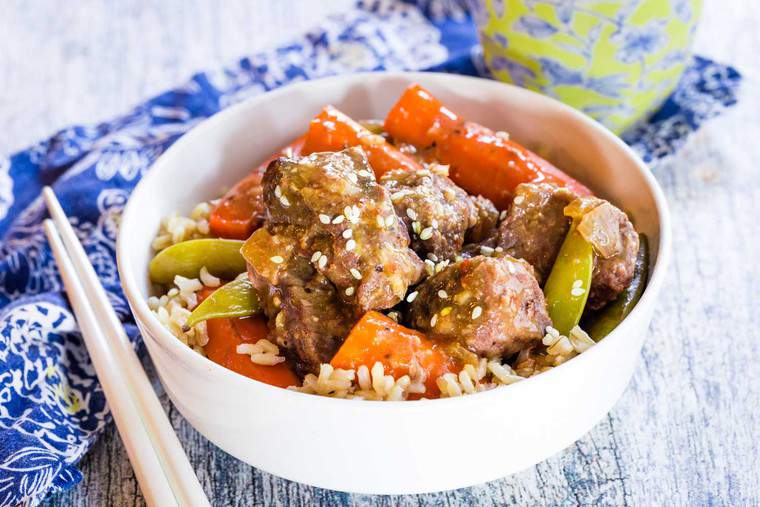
{"x":176,"y":229}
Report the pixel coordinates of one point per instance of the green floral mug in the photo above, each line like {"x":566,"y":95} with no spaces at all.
{"x":616,"y":60}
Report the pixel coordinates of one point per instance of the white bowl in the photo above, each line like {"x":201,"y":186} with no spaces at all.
{"x":391,"y":447}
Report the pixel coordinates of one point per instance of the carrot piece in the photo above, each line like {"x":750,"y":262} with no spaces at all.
{"x":225,"y":334}
{"x":378,"y":338}
{"x":420,"y":119}
{"x":482,"y":162}
{"x":241,"y":210}
{"x":332,"y":130}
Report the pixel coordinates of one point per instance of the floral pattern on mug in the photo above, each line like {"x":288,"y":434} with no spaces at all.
{"x":616,"y":61}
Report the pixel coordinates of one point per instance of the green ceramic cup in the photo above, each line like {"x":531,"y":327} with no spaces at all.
{"x":616,"y":60}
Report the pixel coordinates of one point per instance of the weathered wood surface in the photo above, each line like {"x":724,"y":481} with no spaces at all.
{"x":686,"y":430}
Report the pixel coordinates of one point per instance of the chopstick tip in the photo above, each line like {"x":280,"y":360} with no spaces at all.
{"x":50,"y":230}
{"x":47,"y":194}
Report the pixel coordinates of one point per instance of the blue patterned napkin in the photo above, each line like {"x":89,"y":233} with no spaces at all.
{"x":51,"y":406}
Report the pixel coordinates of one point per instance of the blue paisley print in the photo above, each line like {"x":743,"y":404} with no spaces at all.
{"x":51,"y":406}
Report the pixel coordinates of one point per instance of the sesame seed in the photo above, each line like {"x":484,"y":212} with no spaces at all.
{"x":446,"y":311}
{"x":426,"y":233}
{"x":434,"y":223}
{"x":393,"y":315}
{"x":416,"y":227}
{"x":434,"y":320}
{"x":486,"y":250}
{"x":439,"y":267}
{"x":356,"y":273}
{"x":277,"y":192}
{"x":350,"y":244}
{"x":442,"y":294}
{"x":577,"y":291}
{"x":284,"y":201}
{"x":380,"y":221}
{"x":350,"y":291}
{"x":325,"y":219}
{"x":348,"y":233}
{"x":276,"y":259}
{"x":577,"y":283}
{"x":498,"y":249}
{"x":339,"y":219}
{"x":347,"y":212}
{"x":476,"y":312}
{"x":503,"y":215}
{"x":389,"y":220}
{"x":519,"y":199}
{"x":411,"y":296}
{"x":315,"y":257}
{"x":322,"y":262}
{"x":411,"y":213}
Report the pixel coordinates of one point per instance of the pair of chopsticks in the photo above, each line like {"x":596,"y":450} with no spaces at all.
{"x":160,"y":464}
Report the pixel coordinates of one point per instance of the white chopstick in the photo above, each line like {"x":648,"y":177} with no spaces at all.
{"x":144,"y":426}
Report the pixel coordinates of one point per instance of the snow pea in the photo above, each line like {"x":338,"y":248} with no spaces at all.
{"x":221,"y":257}
{"x":569,"y":281}
{"x":602,"y":323}
{"x":237,"y":298}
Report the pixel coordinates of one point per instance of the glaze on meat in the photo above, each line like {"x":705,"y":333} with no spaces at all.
{"x":438,"y":214}
{"x":492,"y":306}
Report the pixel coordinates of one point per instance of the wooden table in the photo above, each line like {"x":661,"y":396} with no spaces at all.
{"x":686,"y":430}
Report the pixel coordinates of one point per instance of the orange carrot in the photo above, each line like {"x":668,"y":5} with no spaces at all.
{"x":331,"y":130}
{"x":482,"y":162}
{"x":241,"y":210}
{"x":224,"y":335}
{"x":378,"y":338}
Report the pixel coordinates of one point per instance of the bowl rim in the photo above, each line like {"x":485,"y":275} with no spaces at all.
{"x":179,"y":351}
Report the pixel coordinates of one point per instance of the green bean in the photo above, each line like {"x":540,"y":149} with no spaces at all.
{"x":234,"y":299}
{"x":569,"y":281}
{"x":221,"y":257}
{"x":603,"y":322}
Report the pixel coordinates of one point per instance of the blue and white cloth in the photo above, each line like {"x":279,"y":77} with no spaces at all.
{"x":51,"y":406}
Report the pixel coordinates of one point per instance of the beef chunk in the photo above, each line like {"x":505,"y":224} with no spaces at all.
{"x":492,"y":306}
{"x":536,"y":225}
{"x":332,"y":249}
{"x":485,"y":225}
{"x":346,"y":223}
{"x":615,"y":243}
{"x":438,"y":214}
{"x":305,"y":312}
